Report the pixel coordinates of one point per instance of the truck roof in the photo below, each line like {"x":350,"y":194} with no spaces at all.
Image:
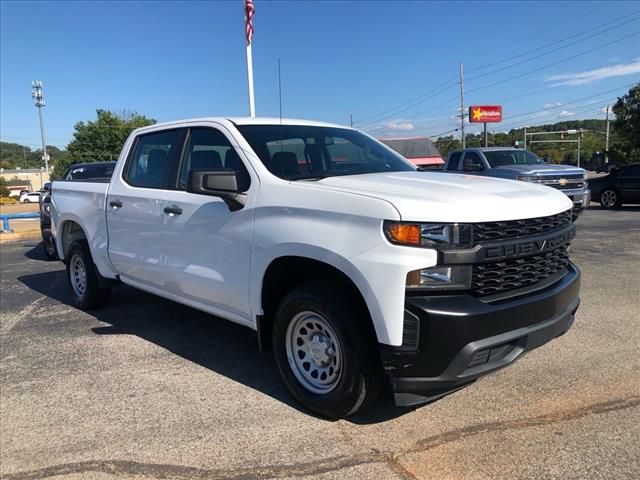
{"x":242,"y":121}
{"x":487,"y":149}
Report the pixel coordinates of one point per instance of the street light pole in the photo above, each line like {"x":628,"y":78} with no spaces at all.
{"x":38,"y":98}
{"x":606,"y":141}
{"x":462,"y":104}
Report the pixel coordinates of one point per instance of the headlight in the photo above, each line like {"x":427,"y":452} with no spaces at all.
{"x":457,"y":277}
{"x":429,"y":235}
{"x":527,"y":178}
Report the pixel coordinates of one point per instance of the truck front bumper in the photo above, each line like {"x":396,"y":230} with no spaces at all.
{"x":459,"y":338}
{"x":581,"y":200}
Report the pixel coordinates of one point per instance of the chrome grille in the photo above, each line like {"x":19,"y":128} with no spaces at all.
{"x":495,"y":231}
{"x":491,"y":278}
{"x":562,"y":182}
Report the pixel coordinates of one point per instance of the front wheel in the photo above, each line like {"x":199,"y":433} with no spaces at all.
{"x":325,"y":351}
{"x":26,"y":200}
{"x":83,"y":277}
{"x":609,"y":199}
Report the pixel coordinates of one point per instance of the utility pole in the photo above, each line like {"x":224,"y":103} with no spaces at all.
{"x":38,"y":99}
{"x":606,"y":141}
{"x":525,"y":138}
{"x":351,"y":120}
{"x":462,"y":104}
{"x":24,"y":154}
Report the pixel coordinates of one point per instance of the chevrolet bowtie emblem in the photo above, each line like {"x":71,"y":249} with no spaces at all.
{"x":563,"y":181}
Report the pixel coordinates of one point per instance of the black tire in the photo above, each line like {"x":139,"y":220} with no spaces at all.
{"x":90,"y":295}
{"x":361,"y":377}
{"x":48,"y":246}
{"x":609,"y":199}
{"x":26,"y":200}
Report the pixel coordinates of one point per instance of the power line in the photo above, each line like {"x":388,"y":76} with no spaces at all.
{"x":549,"y":52}
{"x":449,"y":83}
{"x":554,"y":43}
{"x":553,"y":63}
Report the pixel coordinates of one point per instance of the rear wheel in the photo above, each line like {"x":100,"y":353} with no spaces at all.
{"x":325,"y":351}
{"x":609,"y":199}
{"x":49,"y":247}
{"x":83,"y":277}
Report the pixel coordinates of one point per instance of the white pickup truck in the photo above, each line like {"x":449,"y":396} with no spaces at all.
{"x":347,"y":261}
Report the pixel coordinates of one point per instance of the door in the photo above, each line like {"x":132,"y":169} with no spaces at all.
{"x":474,"y":160}
{"x":207,"y":246}
{"x":629,"y":181}
{"x":135,"y":203}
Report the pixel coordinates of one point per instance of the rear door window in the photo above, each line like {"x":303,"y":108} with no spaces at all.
{"x":454,"y":161}
{"x":154,"y":162}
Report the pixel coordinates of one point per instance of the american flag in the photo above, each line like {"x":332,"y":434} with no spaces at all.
{"x":249,"y":11}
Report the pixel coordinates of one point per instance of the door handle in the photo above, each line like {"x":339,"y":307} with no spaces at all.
{"x":173,"y":210}
{"x":115,"y":203}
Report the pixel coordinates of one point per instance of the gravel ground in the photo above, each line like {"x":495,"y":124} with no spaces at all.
{"x":145,"y":388}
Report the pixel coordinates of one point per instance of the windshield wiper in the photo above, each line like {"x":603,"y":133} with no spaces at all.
{"x":308,"y":177}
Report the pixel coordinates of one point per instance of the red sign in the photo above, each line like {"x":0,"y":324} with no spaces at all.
{"x":485,"y":113}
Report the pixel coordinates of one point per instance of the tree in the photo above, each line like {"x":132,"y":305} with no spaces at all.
{"x":626,"y":146}
{"x":101,"y":139}
{"x":4,"y":188}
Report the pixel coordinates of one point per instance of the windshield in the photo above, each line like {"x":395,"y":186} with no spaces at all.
{"x":295,"y":152}
{"x":500,"y":158}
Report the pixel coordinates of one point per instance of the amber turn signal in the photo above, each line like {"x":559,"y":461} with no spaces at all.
{"x":403,"y":233}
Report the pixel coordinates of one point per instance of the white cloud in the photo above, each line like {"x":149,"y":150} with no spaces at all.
{"x":552,"y":105}
{"x":590,"y":76}
{"x":399,"y":125}
{"x":566,"y":113}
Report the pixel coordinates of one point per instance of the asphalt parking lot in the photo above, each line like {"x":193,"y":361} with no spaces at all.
{"x":145,"y":388}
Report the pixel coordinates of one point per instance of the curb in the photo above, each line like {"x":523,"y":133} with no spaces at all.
{"x":32,"y":235}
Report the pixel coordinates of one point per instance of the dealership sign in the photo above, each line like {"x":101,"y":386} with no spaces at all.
{"x":485,"y":113}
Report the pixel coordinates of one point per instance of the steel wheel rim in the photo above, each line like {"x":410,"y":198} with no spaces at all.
{"x":609,"y":198}
{"x":314,"y":352}
{"x":78,"y":275}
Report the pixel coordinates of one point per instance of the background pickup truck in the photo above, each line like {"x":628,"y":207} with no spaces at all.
{"x":517,"y":164}
{"x":342,"y":257}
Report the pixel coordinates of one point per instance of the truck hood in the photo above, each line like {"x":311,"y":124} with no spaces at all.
{"x":546,"y":169}
{"x":447,"y":197}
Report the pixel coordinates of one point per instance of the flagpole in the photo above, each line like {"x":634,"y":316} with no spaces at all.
{"x":249,"y":10}
{"x":252,"y":105}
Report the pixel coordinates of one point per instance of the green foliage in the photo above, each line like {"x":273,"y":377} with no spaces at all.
{"x":4,"y":189}
{"x":101,"y":139}
{"x":13,"y":155}
{"x":626,"y":146}
{"x":590,"y":141}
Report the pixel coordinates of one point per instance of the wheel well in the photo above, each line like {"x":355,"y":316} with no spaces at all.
{"x":71,"y":232}
{"x":286,"y":273}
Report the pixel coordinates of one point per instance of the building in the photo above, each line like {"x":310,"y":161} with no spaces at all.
{"x":31,"y":179}
{"x":419,"y":150}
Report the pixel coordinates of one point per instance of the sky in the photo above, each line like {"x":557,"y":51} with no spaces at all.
{"x":392,"y":66}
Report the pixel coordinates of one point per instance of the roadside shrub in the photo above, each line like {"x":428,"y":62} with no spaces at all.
{"x":7,"y":200}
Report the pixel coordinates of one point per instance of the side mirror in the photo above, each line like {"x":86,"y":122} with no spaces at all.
{"x":217,"y":183}
{"x":47,"y":187}
{"x":469,"y":166}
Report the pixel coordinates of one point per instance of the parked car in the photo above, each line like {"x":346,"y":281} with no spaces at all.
{"x":621,"y":186}
{"x":30,"y":197}
{"x":518,"y":164}
{"x":333,"y":248}
{"x":96,"y":171}
{"x":604,"y":168}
